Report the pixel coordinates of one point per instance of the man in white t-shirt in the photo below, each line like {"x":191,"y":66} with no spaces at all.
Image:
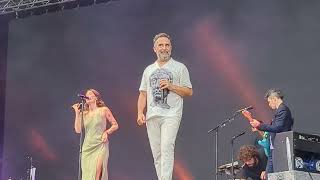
{"x":163,"y":86}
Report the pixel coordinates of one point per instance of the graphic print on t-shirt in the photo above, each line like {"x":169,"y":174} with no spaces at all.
{"x":160,"y":96}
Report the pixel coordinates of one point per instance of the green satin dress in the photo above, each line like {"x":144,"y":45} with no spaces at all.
{"x":93,"y":147}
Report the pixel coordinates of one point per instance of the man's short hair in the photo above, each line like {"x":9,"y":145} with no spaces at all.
{"x":247,"y":152}
{"x":156,"y":37}
{"x":274,"y":93}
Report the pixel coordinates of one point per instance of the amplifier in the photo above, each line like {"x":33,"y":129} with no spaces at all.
{"x":296,"y":151}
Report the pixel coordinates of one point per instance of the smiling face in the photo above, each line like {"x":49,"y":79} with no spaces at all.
{"x":162,"y":47}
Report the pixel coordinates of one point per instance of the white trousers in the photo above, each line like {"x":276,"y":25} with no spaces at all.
{"x":162,"y":133}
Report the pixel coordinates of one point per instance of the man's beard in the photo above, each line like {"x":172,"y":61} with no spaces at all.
{"x":164,"y":56}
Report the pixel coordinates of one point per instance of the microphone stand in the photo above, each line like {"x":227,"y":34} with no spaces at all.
{"x":81,"y":137}
{"x":216,"y":130}
{"x":232,"y":153}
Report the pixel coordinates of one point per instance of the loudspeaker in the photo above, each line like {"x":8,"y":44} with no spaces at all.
{"x":283,"y":155}
{"x":296,"y":151}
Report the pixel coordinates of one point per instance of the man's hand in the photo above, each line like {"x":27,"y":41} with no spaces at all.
{"x":263,"y":175}
{"x":141,"y":119}
{"x":255,"y":123}
{"x":246,"y":114}
{"x":165,"y":84}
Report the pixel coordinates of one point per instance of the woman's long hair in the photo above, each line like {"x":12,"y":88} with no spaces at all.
{"x":99,"y":102}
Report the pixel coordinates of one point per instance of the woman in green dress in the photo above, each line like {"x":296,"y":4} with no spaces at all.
{"x":95,"y":148}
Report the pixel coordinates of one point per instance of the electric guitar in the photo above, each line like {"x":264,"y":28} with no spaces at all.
{"x":265,"y":143}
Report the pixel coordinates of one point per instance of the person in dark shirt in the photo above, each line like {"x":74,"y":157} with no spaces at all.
{"x":253,"y":163}
{"x":282,"y":120}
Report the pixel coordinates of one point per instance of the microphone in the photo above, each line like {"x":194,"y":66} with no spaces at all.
{"x":244,"y":109}
{"x":236,"y":136}
{"x":82,"y":96}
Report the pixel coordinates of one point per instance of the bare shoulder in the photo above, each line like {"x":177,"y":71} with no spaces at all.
{"x":104,"y":110}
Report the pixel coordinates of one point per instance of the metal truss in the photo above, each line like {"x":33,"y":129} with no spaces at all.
{"x":19,"y":7}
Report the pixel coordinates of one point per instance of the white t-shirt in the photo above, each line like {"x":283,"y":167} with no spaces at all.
{"x":164,"y":103}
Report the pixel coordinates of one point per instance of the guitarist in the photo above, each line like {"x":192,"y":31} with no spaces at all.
{"x":282,"y":120}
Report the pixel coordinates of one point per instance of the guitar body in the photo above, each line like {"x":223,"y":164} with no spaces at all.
{"x":265,"y":143}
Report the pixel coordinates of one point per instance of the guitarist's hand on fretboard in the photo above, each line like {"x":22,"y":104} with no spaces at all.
{"x":254,"y":123}
{"x":247,"y":115}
